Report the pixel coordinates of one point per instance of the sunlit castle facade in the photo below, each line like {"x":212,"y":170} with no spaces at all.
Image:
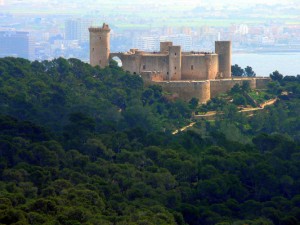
{"x":188,"y":73}
{"x":169,"y":61}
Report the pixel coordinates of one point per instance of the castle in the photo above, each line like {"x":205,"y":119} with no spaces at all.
{"x":202,"y":75}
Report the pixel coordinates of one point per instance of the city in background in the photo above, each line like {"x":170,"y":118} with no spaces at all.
{"x":43,"y":30}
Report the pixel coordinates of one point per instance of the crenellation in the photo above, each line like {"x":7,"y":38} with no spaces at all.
{"x":187,"y":74}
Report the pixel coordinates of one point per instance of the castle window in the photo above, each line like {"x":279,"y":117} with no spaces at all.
{"x":144,"y":67}
{"x":192,"y":67}
{"x":100,"y":38}
{"x":93,"y":49}
{"x":175,"y":53}
{"x":175,"y":67}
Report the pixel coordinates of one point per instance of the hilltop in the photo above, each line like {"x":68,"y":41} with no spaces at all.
{"x":84,"y":145}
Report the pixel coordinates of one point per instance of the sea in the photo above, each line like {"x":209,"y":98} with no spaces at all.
{"x":287,"y":63}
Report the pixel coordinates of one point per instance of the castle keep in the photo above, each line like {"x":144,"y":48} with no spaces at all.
{"x":186,"y":74}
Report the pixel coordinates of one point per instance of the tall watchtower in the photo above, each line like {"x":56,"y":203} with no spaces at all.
{"x":99,"y":45}
{"x":223,"y":49}
{"x":174,"y":63}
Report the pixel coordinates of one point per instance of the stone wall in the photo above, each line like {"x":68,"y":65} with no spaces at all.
{"x":159,"y":62}
{"x":205,"y":90}
{"x":188,"y":89}
{"x":149,"y":77}
{"x":212,"y":64}
{"x":164,"y":46}
{"x":223,"y":85}
{"x":262,"y":83}
{"x":174,"y":72}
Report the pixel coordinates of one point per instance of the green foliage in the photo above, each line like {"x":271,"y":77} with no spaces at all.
{"x":276,"y":76}
{"x":239,"y":99}
{"x":249,"y":72}
{"x":237,"y":71}
{"x":83,"y":145}
{"x":194,"y":103}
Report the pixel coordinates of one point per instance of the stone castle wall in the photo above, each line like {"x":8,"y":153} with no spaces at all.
{"x":155,"y":63}
{"x":224,"y":85}
{"x":262,"y":83}
{"x":199,"y":67}
{"x":188,"y":89}
{"x":205,"y":90}
{"x":174,"y":72}
{"x":186,"y":74}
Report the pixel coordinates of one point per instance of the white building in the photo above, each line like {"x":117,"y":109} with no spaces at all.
{"x":77,"y":29}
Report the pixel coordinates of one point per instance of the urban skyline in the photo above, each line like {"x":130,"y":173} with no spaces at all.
{"x":59,"y":28}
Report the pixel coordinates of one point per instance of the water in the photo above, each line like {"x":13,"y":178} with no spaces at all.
{"x":265,"y":63}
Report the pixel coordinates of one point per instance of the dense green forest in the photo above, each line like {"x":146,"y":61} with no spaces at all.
{"x":84,"y":145}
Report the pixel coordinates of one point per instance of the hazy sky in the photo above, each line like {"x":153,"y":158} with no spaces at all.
{"x":106,"y":6}
{"x":240,"y":2}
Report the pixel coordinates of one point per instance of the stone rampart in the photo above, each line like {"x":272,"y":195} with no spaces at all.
{"x":262,"y":83}
{"x":188,"y":89}
{"x":224,"y":85}
{"x":204,"y":90}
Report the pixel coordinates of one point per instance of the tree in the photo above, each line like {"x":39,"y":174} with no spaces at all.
{"x":193,"y":103}
{"x":246,"y":86}
{"x":249,"y":72}
{"x":237,"y":71}
{"x":239,"y":99}
{"x":276,"y":76}
{"x":236,"y":89}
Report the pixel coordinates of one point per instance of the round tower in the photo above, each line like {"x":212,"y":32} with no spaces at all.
{"x":223,"y":49}
{"x":99,"y":45}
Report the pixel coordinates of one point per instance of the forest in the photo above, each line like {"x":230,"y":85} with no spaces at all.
{"x":84,"y":145}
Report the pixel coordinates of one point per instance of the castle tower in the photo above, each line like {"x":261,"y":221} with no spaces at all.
{"x":174,"y":63}
{"x":99,"y":45}
{"x":223,"y":49}
{"x":164,"y":46}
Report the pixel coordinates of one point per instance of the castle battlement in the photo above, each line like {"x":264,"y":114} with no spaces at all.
{"x":193,"y":71}
{"x":104,"y":28}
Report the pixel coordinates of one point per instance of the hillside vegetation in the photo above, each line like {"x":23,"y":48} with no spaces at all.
{"x":84,"y":145}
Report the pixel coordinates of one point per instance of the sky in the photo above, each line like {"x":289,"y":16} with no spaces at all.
{"x":83,"y":6}
{"x":194,"y":2}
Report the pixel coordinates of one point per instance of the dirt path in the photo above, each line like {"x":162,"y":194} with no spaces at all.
{"x":184,"y":128}
{"x":269,"y":102}
{"x":262,"y":106}
{"x":213,"y":113}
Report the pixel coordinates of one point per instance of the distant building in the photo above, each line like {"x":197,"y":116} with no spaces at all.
{"x":151,"y":43}
{"x":16,"y":44}
{"x":147,"y":43}
{"x":184,"y":40}
{"x":77,"y":29}
{"x":242,"y":29}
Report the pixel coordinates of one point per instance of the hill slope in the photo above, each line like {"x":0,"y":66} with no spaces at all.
{"x":82,"y":145}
